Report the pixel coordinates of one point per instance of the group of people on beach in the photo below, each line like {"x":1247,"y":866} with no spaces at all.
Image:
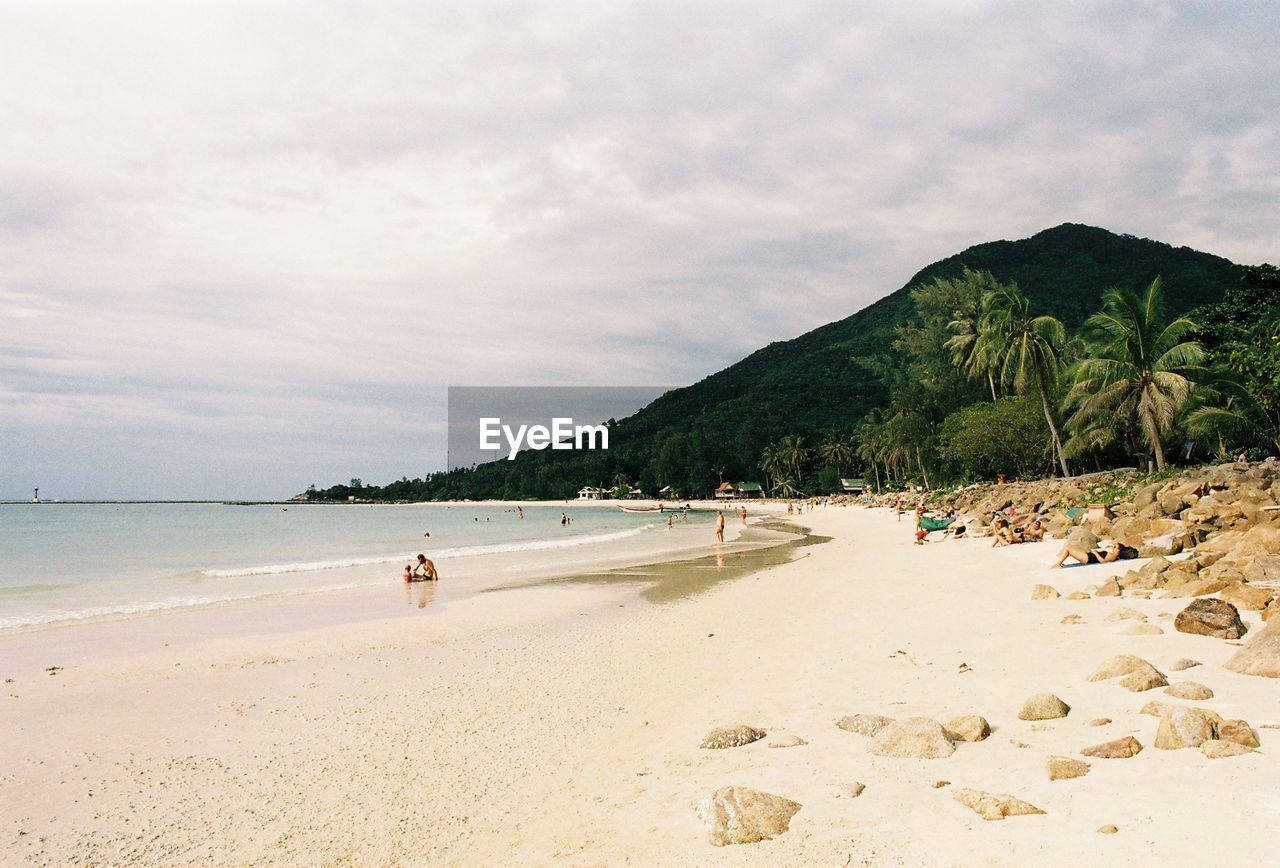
{"x":423,"y":571}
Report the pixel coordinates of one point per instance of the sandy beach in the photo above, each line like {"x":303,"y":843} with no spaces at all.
{"x":562,"y":725}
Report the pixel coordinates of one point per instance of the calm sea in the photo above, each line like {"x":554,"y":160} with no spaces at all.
{"x":72,"y":562}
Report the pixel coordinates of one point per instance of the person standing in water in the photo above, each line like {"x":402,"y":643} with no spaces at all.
{"x":720,"y":526}
{"x":744,"y":516}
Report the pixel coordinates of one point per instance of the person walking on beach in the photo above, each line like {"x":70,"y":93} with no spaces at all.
{"x":720,"y":526}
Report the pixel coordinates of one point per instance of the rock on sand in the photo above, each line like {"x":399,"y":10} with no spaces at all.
{"x":1121,"y":748}
{"x":740,"y":815}
{"x":917,"y":737}
{"x":1064,"y":767}
{"x":1210,"y":617}
{"x":731,"y":736}
{"x":1189,"y":690}
{"x":1043,"y":706}
{"x":1261,"y":656}
{"x":1182,"y":727}
{"x":864,"y":724}
{"x":994,"y":806}
{"x":968,"y":727}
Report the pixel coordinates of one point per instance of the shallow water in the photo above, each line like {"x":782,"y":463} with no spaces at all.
{"x":63,"y":563}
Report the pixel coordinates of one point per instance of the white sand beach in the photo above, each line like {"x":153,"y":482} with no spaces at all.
{"x":562,"y":725}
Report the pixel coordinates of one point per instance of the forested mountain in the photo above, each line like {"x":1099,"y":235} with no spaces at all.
{"x":820,"y":385}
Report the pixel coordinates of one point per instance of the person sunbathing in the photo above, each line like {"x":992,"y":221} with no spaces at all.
{"x":1105,"y":553}
{"x":1034,"y":532}
{"x":1003,"y":535}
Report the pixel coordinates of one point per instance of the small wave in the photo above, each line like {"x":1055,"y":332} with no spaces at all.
{"x":438,"y":554}
{"x":98,"y":613}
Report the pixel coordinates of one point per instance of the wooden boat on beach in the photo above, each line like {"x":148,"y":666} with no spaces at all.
{"x":640,"y":508}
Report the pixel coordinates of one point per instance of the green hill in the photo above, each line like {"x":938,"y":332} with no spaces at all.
{"x":829,"y":378}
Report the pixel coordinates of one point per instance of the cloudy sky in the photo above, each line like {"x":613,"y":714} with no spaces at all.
{"x":245,"y":247}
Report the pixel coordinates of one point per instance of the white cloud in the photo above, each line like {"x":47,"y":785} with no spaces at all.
{"x":231,"y":201}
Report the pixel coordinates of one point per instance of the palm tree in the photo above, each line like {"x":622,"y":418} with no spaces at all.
{"x":1139,"y":368}
{"x":792,"y":453}
{"x":771,"y":464}
{"x":969,"y":351}
{"x":836,"y":453}
{"x":1026,"y":350}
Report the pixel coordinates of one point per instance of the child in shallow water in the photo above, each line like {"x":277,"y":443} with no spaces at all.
{"x":408,"y":573}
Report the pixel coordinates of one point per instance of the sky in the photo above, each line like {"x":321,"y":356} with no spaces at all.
{"x":246,"y":247}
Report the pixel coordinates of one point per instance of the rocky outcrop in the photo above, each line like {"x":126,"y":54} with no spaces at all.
{"x":994,"y":806}
{"x":915,"y":737}
{"x":740,"y":815}
{"x":1216,"y":618}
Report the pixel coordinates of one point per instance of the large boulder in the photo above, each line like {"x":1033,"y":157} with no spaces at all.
{"x":994,"y":806}
{"x":1082,"y":537}
{"x":915,"y":737}
{"x":1248,"y":597}
{"x":740,"y":815}
{"x":1263,"y":568}
{"x":1209,"y":617}
{"x":1043,"y":706}
{"x":1182,"y":727}
{"x":1261,"y":656}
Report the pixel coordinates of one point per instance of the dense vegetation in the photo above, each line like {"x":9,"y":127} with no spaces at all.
{"x":1009,"y":357}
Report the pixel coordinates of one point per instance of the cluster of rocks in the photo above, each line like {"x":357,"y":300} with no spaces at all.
{"x":1210,"y":530}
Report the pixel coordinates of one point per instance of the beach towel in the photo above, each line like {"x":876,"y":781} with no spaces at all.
{"x":932,"y":524}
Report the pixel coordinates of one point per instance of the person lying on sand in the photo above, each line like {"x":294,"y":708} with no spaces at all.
{"x":1106,"y":552}
{"x":424,"y":571}
{"x":1034,"y":532}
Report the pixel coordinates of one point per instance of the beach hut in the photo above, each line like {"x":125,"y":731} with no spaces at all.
{"x":726,"y":491}
{"x":752,"y":490}
{"x":853,"y":486}
{"x":590,"y":493}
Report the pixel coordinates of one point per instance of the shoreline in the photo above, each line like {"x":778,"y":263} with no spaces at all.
{"x":570,"y":733}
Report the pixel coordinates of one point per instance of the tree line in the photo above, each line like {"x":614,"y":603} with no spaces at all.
{"x":978,"y":383}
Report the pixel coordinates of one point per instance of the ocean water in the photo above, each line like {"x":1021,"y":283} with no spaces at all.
{"x":63,"y":563}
